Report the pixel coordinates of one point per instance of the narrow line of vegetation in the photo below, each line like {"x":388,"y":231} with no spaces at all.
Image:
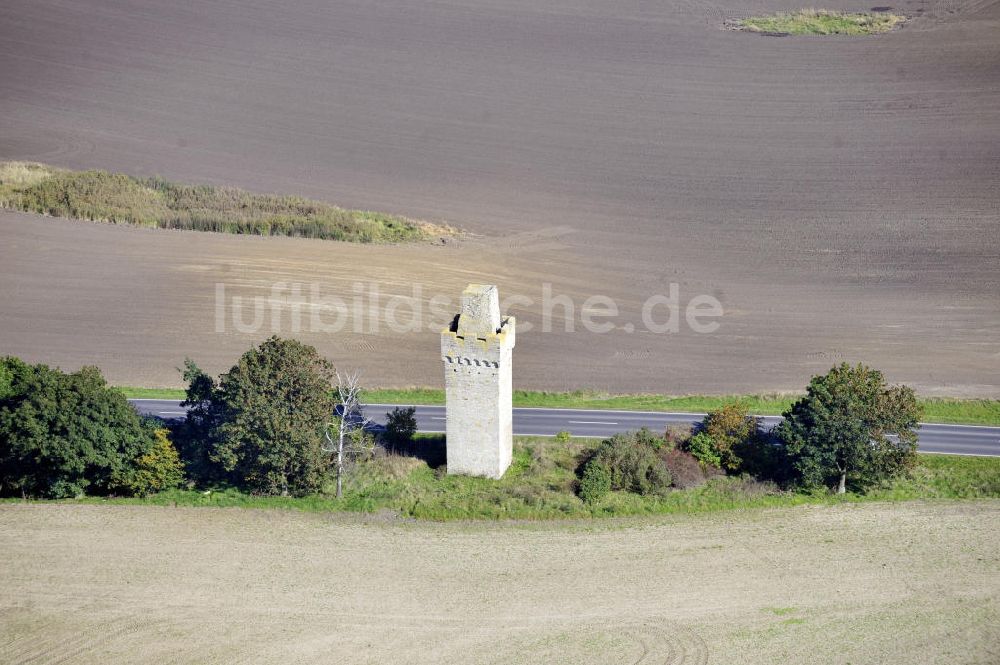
{"x":540,"y":485}
{"x":821,"y":22}
{"x":116,"y":198}
{"x":281,"y":428}
{"x":936,"y":409}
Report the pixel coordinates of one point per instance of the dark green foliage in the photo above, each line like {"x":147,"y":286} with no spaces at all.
{"x":703,"y":449}
{"x":122,"y":199}
{"x":765,"y":457}
{"x":851,"y":427}
{"x":156,"y":470}
{"x":596,"y":482}
{"x":263,"y":425}
{"x":633,"y":462}
{"x":732,"y":440}
{"x":400,"y":426}
{"x":64,"y":435}
{"x":8,"y":366}
{"x":194,"y":436}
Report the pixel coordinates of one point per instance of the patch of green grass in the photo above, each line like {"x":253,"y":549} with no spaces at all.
{"x":822,"y":22}
{"x":945,"y":477}
{"x":937,"y":410}
{"x":584,"y":399}
{"x":121,"y":199}
{"x":541,"y":484}
{"x":152,"y":393}
{"x":968,"y":411}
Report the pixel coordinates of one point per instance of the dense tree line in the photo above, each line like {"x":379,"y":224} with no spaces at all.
{"x":260,"y":427}
{"x":273,"y":424}
{"x":64,"y":435}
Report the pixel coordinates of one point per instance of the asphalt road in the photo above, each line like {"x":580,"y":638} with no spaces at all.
{"x":934,"y":438}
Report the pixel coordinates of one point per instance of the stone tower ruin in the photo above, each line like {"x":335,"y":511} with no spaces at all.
{"x":476,"y":350}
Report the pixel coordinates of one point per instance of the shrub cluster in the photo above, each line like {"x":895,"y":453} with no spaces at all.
{"x":851,"y":429}
{"x":685,"y":470}
{"x":639,"y":462}
{"x":121,"y":199}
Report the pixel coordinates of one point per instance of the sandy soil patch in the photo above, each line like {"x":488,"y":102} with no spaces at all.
{"x":870,"y":583}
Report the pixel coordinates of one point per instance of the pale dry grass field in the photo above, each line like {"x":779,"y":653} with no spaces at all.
{"x":875,"y":583}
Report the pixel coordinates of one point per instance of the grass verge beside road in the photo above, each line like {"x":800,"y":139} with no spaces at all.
{"x":121,"y":199}
{"x":936,"y":409}
{"x":541,"y":485}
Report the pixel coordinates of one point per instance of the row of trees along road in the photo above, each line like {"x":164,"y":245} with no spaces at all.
{"x":284,"y":421}
{"x":851,"y":427}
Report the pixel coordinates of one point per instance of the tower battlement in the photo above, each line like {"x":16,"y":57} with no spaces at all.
{"x":476,"y":350}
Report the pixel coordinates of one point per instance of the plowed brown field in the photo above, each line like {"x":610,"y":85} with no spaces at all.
{"x":839,"y":196}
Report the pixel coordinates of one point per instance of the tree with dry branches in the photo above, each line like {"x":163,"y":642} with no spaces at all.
{"x":346,"y":436}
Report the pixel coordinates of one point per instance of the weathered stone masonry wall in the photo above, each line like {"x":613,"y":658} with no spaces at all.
{"x":478,"y":386}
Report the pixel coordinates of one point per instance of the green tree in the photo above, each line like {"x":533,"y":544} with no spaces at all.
{"x":63,"y":435}
{"x":8,"y":366}
{"x":195,"y":436}
{"x":729,"y":427}
{"x":266,"y":419}
{"x":158,"y":469}
{"x":400,"y":426}
{"x":851,"y":426}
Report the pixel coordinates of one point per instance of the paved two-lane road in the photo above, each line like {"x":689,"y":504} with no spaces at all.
{"x":934,"y":438}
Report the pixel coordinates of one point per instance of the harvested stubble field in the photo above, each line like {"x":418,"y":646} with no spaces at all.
{"x":876,"y":583}
{"x":838,"y":196}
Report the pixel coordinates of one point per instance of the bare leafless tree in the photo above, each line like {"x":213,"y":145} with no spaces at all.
{"x":348,"y":438}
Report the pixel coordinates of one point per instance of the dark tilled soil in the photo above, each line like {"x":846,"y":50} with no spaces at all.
{"x":838,"y":195}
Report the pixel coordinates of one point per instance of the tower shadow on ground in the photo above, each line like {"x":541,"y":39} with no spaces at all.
{"x":431,"y":448}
